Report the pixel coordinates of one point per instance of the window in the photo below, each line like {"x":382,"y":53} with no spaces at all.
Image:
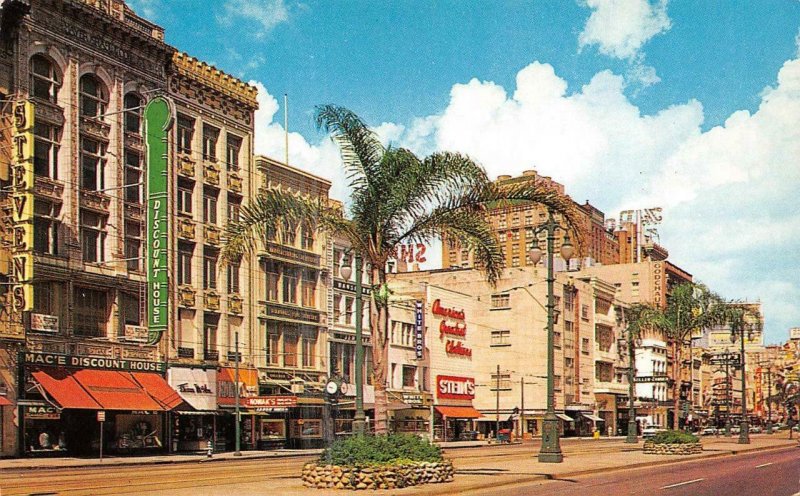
{"x":409,"y":376}
{"x":210,"y":269}
{"x":348,"y":310}
{"x":232,"y":149}
{"x":501,"y":338}
{"x":585,"y":312}
{"x":129,"y":305}
{"x":515,"y":235}
{"x":337,"y":308}
{"x":309,"y":288}
{"x":209,"y":207}
{"x":288,"y":235}
{"x":272,"y":343}
{"x":234,"y":208}
{"x":309,"y":347}
{"x":585,"y":346}
{"x":133,"y":245}
{"x":306,"y":237}
{"x":45,"y":227}
{"x":210,"y":327}
{"x":133,"y":113}
{"x":602,"y":306}
{"x":272,"y":277}
{"x":93,"y":163}
{"x":91,"y":312}
{"x":185,"y":263}
{"x":515,"y":261}
{"x":43,"y":298}
{"x":94,"y":97}
{"x":501,"y":382}
{"x":569,"y":300}
{"x":93,"y":236}
{"x":500,"y":300}
{"x":290,"y":277}
{"x":44,"y":79}
{"x":185,"y":197}
{"x":556,"y":339}
{"x":290,"y":349}
{"x":185,"y":134}
{"x":233,"y":278}
{"x":45,"y":150}
{"x":133,"y":177}
{"x":210,"y":137}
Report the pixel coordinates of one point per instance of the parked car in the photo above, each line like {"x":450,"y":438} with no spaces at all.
{"x":652,"y":430}
{"x":710,"y":431}
{"x":735,"y":429}
{"x":755,"y":429}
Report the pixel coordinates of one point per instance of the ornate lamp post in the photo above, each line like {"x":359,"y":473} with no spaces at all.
{"x":551,"y":447}
{"x":359,"y":420}
{"x":744,"y":426}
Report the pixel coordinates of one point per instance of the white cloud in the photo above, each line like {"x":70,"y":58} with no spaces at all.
{"x":266,"y":13}
{"x":621,"y":27}
{"x":146,"y":8}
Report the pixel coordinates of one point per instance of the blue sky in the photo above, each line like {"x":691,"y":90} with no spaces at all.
{"x":689,"y":105}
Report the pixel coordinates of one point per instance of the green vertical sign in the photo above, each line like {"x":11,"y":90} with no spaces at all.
{"x":157,"y":122}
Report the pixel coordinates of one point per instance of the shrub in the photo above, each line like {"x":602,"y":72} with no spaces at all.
{"x":674,"y":437}
{"x":381,"y":450}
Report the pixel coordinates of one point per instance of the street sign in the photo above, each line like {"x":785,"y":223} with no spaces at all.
{"x":651,"y":378}
{"x":101,"y":415}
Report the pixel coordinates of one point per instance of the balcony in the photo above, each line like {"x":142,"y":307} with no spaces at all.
{"x":48,"y":111}
{"x":186,"y":229}
{"x":134,"y":211}
{"x":211,"y":301}
{"x":610,"y":387}
{"x":95,"y":127}
{"x":185,"y":166}
{"x":291,"y":255}
{"x":211,"y":174}
{"x":235,"y":183}
{"x":49,"y":188}
{"x":134,"y":141}
{"x":211,"y":355}
{"x":212,"y":235}
{"x":235,"y":305}
{"x":186,"y":297}
{"x":288,"y":313}
{"x":186,"y":353}
{"x":94,"y":200}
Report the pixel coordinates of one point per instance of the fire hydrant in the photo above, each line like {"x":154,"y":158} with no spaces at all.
{"x":596,"y":433}
{"x":209,"y":449}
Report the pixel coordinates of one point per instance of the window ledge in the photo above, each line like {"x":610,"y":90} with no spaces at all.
{"x":499,"y":308}
{"x":500,"y":345}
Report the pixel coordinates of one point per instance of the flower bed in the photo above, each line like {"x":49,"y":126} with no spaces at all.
{"x":377,"y":477}
{"x":651,"y":448}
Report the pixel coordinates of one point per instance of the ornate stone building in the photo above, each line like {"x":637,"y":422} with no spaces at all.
{"x":85,"y":69}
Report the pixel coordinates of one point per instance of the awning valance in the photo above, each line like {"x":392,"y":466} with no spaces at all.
{"x":592,"y":417}
{"x":157,"y":387}
{"x":466,"y":412}
{"x":4,"y":401}
{"x":565,"y":418}
{"x":63,"y":389}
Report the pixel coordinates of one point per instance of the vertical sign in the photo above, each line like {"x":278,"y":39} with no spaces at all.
{"x":22,"y":206}
{"x":419,"y":330}
{"x":157,"y":122}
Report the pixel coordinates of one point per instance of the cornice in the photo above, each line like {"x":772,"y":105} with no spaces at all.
{"x":211,"y":77}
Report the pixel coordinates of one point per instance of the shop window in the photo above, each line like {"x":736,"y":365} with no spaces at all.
{"x":91,"y":312}
{"x":45,"y":227}
{"x":210,"y":138}
{"x":93,"y":236}
{"x":93,"y":164}
{"x":45,"y":80}
{"x":290,"y":349}
{"x":309,"y":348}
{"x":273,"y":429}
{"x":501,"y":338}
{"x":306,"y":429}
{"x":501,"y":382}
{"x":409,"y":376}
{"x":210,"y":258}
{"x":185,"y":130}
{"x":45,"y":150}
{"x":94,"y":97}
{"x":133,"y":113}
{"x":232,"y":149}
{"x":185,"y":251}
{"x":133,"y":245}
{"x":233,"y":278}
{"x":209,"y":206}
{"x":500,"y":300}
{"x":133,"y":177}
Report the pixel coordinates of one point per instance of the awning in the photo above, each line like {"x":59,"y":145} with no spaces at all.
{"x":116,"y":390}
{"x":565,"y":418}
{"x":398,"y":405}
{"x":593,"y":417}
{"x":4,"y":401}
{"x":466,"y":412}
{"x":62,"y":388}
{"x":197,"y":386}
{"x":157,"y":387}
{"x":197,"y":412}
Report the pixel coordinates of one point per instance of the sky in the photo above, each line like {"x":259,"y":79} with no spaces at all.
{"x":692,"y":106}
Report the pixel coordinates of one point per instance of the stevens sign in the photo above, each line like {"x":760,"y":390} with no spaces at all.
{"x":455,"y":388}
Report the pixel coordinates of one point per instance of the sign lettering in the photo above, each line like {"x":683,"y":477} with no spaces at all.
{"x":22,"y":207}
{"x":59,"y":360}
{"x":419,"y":330}
{"x":456,"y":388}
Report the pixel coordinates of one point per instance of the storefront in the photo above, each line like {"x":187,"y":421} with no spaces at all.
{"x":411,"y":413}
{"x":226,"y":401}
{"x":306,"y":428}
{"x":195,"y":425}
{"x":266,"y":419}
{"x":69,"y":399}
{"x":455,"y":417}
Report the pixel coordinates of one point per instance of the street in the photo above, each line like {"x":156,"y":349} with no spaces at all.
{"x":509,"y":469}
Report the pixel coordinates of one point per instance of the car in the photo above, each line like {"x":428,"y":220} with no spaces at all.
{"x":710,"y":431}
{"x":736,"y":429}
{"x":652,"y":430}
{"x":755,"y":429}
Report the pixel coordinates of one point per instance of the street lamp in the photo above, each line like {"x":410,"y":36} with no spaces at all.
{"x":346,"y":271}
{"x":551,"y":447}
{"x":744,"y":427}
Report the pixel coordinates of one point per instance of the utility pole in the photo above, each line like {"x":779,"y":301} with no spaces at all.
{"x":236,"y":397}
{"x":497,"y":408}
{"x":727,"y":397}
{"x":769,"y":400}
{"x":521,"y":432}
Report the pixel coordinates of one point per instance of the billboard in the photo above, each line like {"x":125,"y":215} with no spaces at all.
{"x":158,"y":117}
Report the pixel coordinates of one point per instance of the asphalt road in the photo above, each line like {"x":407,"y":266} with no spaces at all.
{"x":770,"y":473}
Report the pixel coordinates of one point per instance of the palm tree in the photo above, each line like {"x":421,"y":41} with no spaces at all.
{"x":396,"y":198}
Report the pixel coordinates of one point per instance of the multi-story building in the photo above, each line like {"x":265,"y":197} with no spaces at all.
{"x":78,"y":74}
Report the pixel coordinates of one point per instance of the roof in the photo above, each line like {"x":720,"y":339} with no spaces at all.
{"x":210,"y":76}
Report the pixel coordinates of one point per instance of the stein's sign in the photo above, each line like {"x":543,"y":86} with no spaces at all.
{"x":455,"y":388}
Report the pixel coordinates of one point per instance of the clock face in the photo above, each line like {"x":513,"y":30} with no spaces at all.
{"x":331,"y":388}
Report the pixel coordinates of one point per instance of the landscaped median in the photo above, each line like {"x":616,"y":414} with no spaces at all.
{"x":378,"y":462}
{"x":672,"y":443}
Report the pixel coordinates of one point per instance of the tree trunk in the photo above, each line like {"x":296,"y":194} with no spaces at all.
{"x":676,"y":387}
{"x":380,"y":350}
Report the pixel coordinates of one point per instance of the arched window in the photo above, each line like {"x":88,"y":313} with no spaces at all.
{"x":94,"y":96}
{"x":45,"y":81}
{"x":133,"y":113}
